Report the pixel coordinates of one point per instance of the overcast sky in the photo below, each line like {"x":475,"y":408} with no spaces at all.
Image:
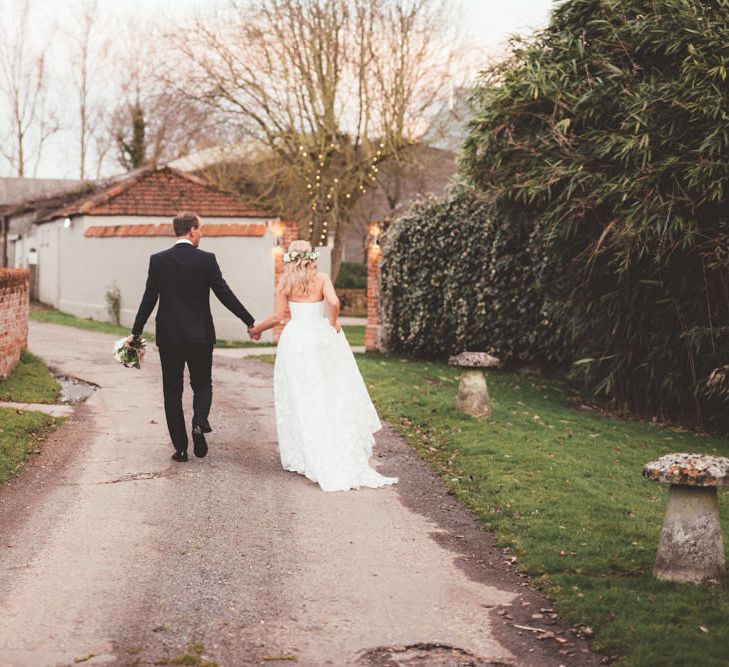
{"x":485,"y":26}
{"x":486,"y":23}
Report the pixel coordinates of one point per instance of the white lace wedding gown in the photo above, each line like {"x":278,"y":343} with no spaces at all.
{"x":324,"y":415}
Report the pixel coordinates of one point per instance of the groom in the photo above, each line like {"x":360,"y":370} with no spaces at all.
{"x":182,"y":277}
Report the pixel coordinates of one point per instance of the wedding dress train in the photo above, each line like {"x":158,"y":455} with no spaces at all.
{"x":324,"y":415}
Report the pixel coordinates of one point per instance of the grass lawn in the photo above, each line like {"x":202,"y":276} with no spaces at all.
{"x":21,"y":434}
{"x":354,"y":333}
{"x":30,"y":382}
{"x":562,"y":488}
{"x":58,"y":317}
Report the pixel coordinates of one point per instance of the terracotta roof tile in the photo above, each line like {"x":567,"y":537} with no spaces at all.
{"x":164,"y":192}
{"x":212,"y":229}
{"x":152,"y":191}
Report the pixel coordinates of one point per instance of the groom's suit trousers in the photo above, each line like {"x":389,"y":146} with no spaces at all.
{"x":199,"y":360}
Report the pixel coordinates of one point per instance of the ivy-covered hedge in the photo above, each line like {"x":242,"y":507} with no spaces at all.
{"x":453,"y":278}
{"x":600,"y":150}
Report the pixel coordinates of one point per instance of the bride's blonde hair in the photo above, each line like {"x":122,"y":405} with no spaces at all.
{"x":298,"y":274}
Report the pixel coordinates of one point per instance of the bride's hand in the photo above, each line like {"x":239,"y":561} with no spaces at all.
{"x":337,"y":326}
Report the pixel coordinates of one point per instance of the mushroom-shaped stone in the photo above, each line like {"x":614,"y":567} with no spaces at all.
{"x":473,"y":393}
{"x":691,"y":548}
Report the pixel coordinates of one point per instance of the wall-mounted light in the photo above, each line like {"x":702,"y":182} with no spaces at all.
{"x":67,"y":223}
{"x":277,"y":232}
{"x":375,"y":232}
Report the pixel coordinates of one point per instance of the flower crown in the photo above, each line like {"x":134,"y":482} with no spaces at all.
{"x":295,"y":255}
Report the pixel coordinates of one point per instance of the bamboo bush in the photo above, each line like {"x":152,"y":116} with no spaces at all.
{"x":602,"y":146}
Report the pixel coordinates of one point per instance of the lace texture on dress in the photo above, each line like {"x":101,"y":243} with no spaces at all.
{"x":324,"y":414}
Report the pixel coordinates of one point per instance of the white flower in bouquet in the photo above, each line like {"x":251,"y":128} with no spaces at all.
{"x":130,"y":353}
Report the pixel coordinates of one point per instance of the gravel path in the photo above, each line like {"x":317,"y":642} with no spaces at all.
{"x":113,"y":554}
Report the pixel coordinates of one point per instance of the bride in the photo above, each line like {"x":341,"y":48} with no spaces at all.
{"x":324,"y":415}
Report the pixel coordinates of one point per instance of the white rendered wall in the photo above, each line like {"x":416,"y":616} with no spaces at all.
{"x":49,"y":266}
{"x":98,"y":263}
{"x":75,"y":272}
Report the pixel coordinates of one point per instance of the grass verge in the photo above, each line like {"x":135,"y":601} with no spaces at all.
{"x":66,"y":319}
{"x":354,"y":333}
{"x":30,"y":382}
{"x":20,"y":434}
{"x":562,"y":488}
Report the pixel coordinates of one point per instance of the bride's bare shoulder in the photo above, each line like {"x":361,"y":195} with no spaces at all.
{"x":319,"y":279}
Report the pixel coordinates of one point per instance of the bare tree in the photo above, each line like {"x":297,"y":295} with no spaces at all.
{"x":152,"y":123}
{"x":332,"y":88}
{"x":88,"y":60}
{"x":29,"y":118}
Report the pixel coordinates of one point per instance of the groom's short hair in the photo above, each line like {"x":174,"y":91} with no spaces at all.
{"x":184,"y":222}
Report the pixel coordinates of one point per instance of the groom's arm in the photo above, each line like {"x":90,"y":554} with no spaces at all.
{"x":151,"y":293}
{"x":226,"y":297}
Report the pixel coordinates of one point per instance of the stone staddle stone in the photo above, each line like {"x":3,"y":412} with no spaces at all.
{"x":474,"y":360}
{"x":691,"y":548}
{"x":473,"y":393}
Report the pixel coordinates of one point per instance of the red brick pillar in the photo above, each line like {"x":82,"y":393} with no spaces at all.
{"x":285,"y":232}
{"x":374,"y":257}
{"x":14,"y":308}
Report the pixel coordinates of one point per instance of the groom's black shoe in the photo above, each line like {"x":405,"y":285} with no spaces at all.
{"x":180,"y":456}
{"x":200,"y":444}
{"x":204,"y":425}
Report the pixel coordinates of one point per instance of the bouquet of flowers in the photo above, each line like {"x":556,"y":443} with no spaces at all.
{"x":130,"y":351}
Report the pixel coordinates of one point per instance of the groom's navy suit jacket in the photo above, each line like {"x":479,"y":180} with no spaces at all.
{"x":182,"y":277}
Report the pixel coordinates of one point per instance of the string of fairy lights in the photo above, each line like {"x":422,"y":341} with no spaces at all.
{"x":322,"y":206}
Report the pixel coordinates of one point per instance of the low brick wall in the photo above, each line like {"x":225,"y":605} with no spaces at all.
{"x":14,"y":307}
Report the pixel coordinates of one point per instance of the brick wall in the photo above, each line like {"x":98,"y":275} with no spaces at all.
{"x":14,"y":306}
{"x":288,"y":231}
{"x":374,"y":258}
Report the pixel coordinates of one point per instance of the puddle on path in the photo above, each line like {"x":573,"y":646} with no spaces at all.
{"x":424,"y":655}
{"x":73,"y":390}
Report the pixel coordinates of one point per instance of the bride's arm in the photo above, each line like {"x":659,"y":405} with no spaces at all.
{"x":279,"y":312}
{"x":330,"y":296}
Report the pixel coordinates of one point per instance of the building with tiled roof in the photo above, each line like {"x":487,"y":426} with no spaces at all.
{"x":150,"y":191}
{"x":86,"y":245}
{"x":16,"y":190}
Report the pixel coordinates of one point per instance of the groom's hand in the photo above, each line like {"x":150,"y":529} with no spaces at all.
{"x":131,"y":339}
